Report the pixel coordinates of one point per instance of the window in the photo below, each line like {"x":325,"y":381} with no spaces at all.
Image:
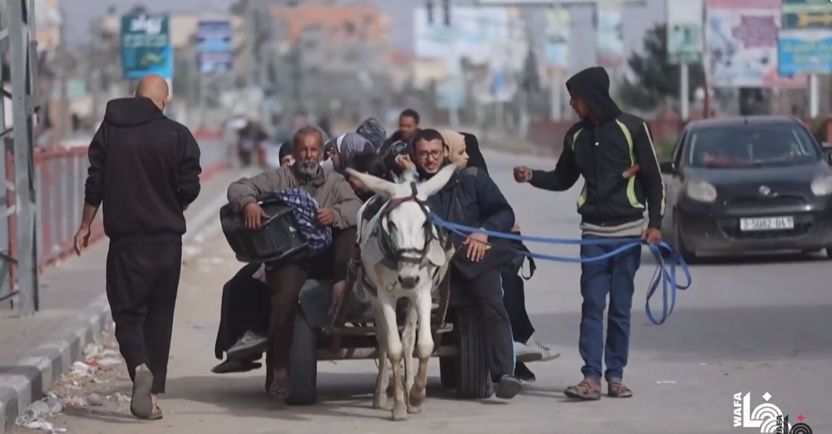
{"x":752,"y":145}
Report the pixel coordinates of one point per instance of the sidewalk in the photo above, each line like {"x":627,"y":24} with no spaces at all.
{"x":37,"y":349}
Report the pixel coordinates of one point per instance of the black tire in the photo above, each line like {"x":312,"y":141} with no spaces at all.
{"x":679,"y":244}
{"x":829,"y":252}
{"x":303,"y":364}
{"x":447,"y":372}
{"x":473,"y":378}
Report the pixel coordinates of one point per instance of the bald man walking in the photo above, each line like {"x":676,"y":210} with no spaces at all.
{"x":144,"y":170}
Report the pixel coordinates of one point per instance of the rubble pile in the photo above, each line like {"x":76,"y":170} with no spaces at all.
{"x":95,"y":381}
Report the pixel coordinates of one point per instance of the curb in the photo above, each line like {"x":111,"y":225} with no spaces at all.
{"x":34,"y":375}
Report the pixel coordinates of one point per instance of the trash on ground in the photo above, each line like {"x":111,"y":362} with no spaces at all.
{"x":665,"y":382}
{"x":96,"y":380}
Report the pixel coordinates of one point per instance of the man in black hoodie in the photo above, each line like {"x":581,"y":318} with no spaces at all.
{"x":614,"y":153}
{"x":144,"y":169}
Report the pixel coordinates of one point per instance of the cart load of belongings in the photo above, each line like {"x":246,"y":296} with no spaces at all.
{"x":289,"y":233}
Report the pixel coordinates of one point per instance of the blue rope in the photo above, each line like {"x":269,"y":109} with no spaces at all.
{"x":665,"y":274}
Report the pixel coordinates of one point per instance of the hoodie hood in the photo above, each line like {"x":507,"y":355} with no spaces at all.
{"x":351,"y":144}
{"x":592,"y":85}
{"x":131,"y":112}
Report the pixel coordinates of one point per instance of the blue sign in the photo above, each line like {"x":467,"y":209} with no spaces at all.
{"x":145,"y":46}
{"x":215,"y":51}
{"x":805,"y":38}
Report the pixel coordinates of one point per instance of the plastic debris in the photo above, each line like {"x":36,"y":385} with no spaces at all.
{"x":665,"y":382}
{"x":81,"y":370}
{"x":108,"y":362}
{"x":35,"y":416}
{"x":95,"y":400}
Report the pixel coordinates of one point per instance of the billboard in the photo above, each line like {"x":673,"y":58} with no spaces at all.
{"x":214,"y":48}
{"x":610,"y":34}
{"x":805,"y":42}
{"x":145,"y":46}
{"x":475,"y":34}
{"x":741,"y":44}
{"x":685,"y":38}
{"x":558,"y":34}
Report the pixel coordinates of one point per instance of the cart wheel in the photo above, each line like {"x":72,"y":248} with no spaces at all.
{"x":447,"y":372}
{"x":303,"y":364}
{"x":473,"y":379}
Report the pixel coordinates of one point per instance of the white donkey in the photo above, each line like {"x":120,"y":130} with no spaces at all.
{"x":403,"y":255}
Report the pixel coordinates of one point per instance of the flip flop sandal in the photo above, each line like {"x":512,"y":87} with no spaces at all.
{"x":156,"y":415}
{"x":141,"y":405}
{"x":280,"y":388}
{"x":583,"y":391}
{"x":617,"y":389}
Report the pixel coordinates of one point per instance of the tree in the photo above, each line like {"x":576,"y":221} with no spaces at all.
{"x":655,"y":79}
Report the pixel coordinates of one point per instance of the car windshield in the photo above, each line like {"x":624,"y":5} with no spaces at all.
{"x":751,"y":145}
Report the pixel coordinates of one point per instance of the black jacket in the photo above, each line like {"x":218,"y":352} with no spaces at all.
{"x":144,"y":167}
{"x":477,"y":202}
{"x":601,"y":152}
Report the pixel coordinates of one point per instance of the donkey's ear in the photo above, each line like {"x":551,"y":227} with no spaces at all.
{"x":377,"y":185}
{"x":434,"y":184}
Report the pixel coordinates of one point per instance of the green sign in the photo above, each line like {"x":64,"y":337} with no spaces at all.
{"x":145,"y":46}
{"x":684,"y":43}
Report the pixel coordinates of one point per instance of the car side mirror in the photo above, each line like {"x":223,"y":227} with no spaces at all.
{"x":667,"y":168}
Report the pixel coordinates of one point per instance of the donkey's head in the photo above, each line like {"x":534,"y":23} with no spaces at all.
{"x":407,"y":235}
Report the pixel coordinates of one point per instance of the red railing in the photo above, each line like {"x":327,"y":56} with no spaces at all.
{"x":60,"y":174}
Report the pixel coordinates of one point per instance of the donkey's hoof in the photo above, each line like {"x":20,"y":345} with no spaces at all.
{"x":380,"y":404}
{"x":414,"y":410}
{"x":399,"y":413}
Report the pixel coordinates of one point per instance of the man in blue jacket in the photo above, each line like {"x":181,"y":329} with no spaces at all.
{"x":614,"y":153}
{"x":472,"y":198}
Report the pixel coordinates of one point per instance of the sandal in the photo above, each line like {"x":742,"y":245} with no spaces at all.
{"x":586,"y":390}
{"x":141,"y":405}
{"x":280,"y":388}
{"x":232,"y":366}
{"x":617,"y":389}
{"x":156,"y":415}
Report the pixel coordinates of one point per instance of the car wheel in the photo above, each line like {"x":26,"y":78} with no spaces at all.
{"x":679,"y":244}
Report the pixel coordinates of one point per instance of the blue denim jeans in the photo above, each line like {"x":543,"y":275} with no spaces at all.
{"x":614,"y":277}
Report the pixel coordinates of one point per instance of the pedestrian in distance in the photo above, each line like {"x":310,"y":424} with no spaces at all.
{"x":614,"y":153}
{"x":144,"y":172}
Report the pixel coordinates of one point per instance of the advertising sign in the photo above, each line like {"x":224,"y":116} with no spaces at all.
{"x":685,"y":38}
{"x":145,"y":46}
{"x":741,"y":44}
{"x":805,"y":42}
{"x":558,"y":32}
{"x":610,"y":34}
{"x":215,"y":51}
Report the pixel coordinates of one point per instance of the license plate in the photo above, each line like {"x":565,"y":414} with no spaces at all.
{"x":767,"y":224}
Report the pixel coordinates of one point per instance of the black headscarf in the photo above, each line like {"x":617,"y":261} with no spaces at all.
{"x":472,"y":147}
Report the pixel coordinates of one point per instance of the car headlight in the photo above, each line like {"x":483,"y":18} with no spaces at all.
{"x":822,"y":186}
{"x":701,"y":191}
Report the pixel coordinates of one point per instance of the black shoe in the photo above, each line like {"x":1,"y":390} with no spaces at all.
{"x":523,"y":373}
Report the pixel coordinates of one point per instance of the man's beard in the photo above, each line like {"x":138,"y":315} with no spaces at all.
{"x":308,"y":168}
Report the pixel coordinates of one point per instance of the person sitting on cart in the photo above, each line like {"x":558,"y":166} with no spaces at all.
{"x":338,"y":209}
{"x":472,"y":198}
{"x":243,"y":329}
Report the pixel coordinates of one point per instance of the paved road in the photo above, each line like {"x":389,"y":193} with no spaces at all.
{"x":745,"y":326}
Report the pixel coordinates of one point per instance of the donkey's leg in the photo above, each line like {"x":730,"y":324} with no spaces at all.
{"x":424,"y":349}
{"x":394,"y":353}
{"x":409,"y":343}
{"x":383,"y":378}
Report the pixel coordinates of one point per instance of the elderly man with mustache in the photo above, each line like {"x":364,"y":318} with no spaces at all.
{"x":338,"y":209}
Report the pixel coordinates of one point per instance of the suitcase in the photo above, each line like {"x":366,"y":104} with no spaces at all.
{"x":276,"y":240}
